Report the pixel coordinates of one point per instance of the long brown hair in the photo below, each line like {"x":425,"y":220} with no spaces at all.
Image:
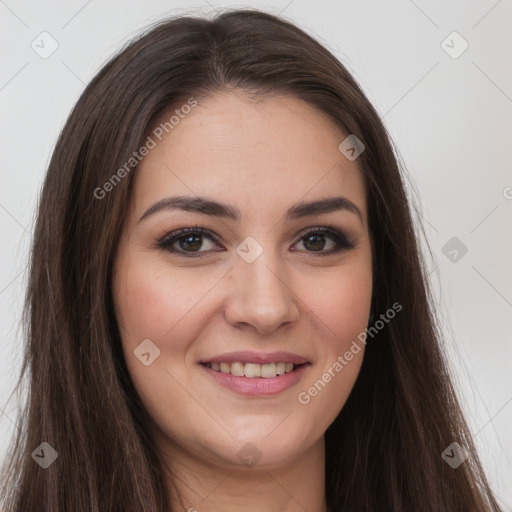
{"x":383,"y":451}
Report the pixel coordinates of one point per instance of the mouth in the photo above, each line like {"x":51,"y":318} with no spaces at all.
{"x":254,"y":374}
{"x":254,"y":370}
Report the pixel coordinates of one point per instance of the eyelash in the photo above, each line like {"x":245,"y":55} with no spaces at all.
{"x":166,"y":243}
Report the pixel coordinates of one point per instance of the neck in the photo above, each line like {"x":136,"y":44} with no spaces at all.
{"x":199,"y":486}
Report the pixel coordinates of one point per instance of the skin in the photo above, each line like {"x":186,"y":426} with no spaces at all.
{"x":261,"y":156}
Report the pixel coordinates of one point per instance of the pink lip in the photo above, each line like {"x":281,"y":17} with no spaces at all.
{"x":257,"y":358}
{"x":257,"y":386}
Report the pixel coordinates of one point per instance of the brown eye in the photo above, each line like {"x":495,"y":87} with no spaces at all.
{"x":315,"y":241}
{"x":188,"y":240}
{"x":192,"y":242}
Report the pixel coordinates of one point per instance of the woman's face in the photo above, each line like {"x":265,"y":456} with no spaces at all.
{"x":257,"y":293}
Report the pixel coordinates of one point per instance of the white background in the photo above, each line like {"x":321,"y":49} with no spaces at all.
{"x":451,"y":119}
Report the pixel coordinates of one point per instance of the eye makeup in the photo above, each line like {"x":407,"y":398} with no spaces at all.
{"x":196,"y":234}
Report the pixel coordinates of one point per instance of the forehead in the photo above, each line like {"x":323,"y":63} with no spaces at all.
{"x":266,"y":153}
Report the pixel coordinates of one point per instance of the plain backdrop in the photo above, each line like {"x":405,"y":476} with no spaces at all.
{"x":446,"y":100}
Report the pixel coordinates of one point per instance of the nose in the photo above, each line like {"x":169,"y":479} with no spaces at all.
{"x":260,"y":296}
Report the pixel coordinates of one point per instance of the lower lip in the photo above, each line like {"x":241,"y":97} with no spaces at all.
{"x":258,"y":386}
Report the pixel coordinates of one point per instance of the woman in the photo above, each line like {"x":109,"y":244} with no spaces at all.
{"x":227,"y":308}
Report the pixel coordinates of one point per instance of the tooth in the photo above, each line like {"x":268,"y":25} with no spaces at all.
{"x":225,"y":368}
{"x":280,"y":368}
{"x":268,"y":370}
{"x":237,"y":369}
{"x":252,"y":370}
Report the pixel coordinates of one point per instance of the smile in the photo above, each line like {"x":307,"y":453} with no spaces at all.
{"x":253,"y":370}
{"x":254,"y":374}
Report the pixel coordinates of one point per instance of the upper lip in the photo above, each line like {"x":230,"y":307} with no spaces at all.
{"x":256,"y":358}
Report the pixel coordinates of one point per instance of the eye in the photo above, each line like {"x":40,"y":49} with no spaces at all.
{"x":189,"y":240}
{"x":314,"y":241}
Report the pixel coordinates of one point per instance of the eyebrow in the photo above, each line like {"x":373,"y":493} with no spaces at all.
{"x":213,"y":208}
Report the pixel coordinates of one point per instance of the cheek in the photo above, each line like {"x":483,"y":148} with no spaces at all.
{"x":341,"y":305}
{"x":153,"y":302}
{"x":341,"y":302}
